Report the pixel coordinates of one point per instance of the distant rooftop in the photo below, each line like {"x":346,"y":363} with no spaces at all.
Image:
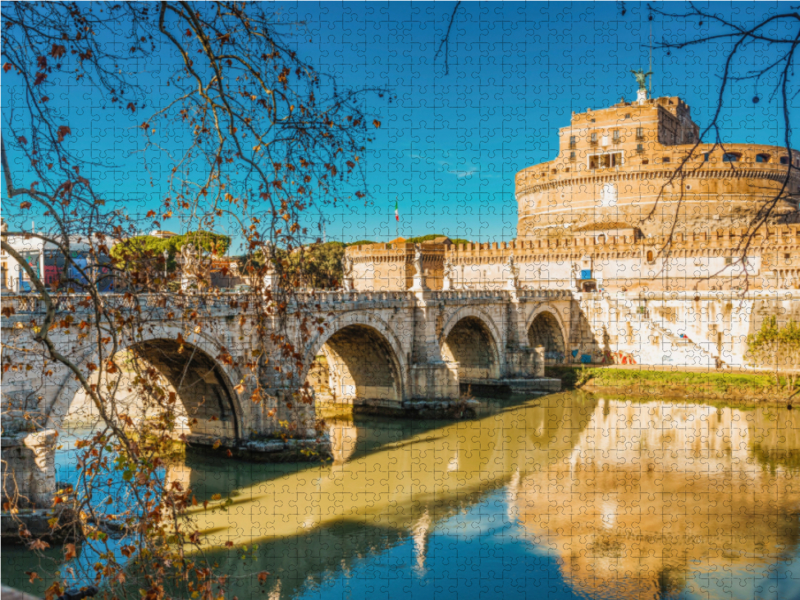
{"x":163,"y":234}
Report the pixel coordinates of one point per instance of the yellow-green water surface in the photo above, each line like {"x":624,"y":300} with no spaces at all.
{"x":564,"y":496}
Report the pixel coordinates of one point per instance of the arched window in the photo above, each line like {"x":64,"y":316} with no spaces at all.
{"x":784,"y":160}
{"x":731,"y":157}
{"x":650,"y":258}
{"x":762,"y":158}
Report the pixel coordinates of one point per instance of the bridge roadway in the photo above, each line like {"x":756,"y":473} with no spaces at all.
{"x":391,"y":347}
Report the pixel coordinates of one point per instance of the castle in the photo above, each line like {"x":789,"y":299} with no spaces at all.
{"x":632,"y":202}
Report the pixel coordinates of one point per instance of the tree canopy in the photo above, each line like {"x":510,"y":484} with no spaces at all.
{"x":432,"y":236}
{"x":152,"y":247}
{"x":319,"y":265}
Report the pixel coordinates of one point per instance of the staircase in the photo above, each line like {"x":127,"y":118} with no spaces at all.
{"x":649,"y":342}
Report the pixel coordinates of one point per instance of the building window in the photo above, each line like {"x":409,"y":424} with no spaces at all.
{"x":731,"y":157}
{"x":762,"y":158}
{"x":650,"y":258}
{"x":615,"y":136}
{"x":572,"y":156}
{"x":639,"y":133}
{"x":645,"y":161}
{"x":666,"y":159}
{"x":573,"y":141}
{"x":640,"y":147}
{"x":593,"y":138}
{"x":728,"y":260}
{"x":784,"y":160}
{"x":705,"y":156}
{"x":627,"y":115}
{"x":605,"y":161}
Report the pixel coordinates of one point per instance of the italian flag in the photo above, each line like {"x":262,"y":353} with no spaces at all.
{"x":396,"y":212}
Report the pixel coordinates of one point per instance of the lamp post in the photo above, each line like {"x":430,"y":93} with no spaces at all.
{"x":165,"y":254}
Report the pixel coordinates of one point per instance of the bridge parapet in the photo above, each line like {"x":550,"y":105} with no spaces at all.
{"x":78,"y":303}
{"x":544,"y":294}
{"x":484,"y":294}
{"x":502,"y":295}
{"x":222,"y":303}
{"x":338,"y":298}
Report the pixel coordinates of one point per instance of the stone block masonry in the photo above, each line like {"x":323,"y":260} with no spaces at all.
{"x":390,"y":349}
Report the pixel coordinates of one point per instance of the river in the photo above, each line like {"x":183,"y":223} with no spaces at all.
{"x":564,"y":496}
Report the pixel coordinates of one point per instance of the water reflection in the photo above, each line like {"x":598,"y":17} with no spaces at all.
{"x":323,"y":520}
{"x":629,"y":499}
{"x":654,"y":494}
{"x":568,"y":496}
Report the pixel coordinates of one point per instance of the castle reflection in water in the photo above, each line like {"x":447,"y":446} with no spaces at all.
{"x":625,"y":498}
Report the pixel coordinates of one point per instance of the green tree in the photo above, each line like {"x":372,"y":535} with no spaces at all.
{"x":146,"y":252}
{"x":319,"y":265}
{"x":776,"y":347}
{"x":432,"y":236}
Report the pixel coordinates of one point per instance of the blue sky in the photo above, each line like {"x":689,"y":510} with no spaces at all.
{"x":451,"y":143}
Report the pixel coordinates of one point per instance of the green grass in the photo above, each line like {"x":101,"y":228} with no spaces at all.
{"x":696,"y":384}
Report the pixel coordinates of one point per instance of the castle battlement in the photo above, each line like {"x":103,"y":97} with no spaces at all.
{"x":641,"y":163}
{"x":632,"y":200}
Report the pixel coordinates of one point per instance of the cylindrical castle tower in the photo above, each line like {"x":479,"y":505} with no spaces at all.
{"x":638,"y":165}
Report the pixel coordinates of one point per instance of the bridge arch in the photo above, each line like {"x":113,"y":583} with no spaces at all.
{"x":365,"y":360}
{"x":471,"y":338}
{"x":546,"y":328}
{"x":207,"y":403}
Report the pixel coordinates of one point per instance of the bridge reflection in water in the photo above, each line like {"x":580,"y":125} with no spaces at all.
{"x":569,"y":495}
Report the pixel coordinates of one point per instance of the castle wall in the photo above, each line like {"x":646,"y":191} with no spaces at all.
{"x":390,"y":267}
{"x":684,"y":329}
{"x":700,"y":261}
{"x":634,"y":207}
{"x":640,"y":164}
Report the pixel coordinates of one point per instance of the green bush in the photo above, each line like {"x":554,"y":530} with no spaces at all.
{"x":776,"y":347}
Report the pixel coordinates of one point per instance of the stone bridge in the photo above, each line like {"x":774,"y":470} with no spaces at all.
{"x":384,"y":348}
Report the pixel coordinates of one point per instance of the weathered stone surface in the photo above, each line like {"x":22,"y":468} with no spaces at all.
{"x":507,"y":386}
{"x":29,"y":469}
{"x":35,"y":523}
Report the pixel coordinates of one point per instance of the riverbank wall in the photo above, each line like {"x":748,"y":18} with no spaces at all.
{"x":679,"y":329}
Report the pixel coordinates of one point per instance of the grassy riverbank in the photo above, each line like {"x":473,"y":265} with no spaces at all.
{"x":714,"y":385}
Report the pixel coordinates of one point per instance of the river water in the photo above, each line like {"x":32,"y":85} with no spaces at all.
{"x":564,"y":496}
